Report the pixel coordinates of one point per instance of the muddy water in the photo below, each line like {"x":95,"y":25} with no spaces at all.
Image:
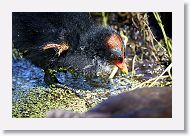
{"x":26,"y":76}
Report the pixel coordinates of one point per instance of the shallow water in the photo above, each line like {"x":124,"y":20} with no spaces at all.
{"x":26,"y":76}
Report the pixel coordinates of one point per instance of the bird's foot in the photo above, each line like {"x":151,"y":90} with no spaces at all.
{"x":51,"y":80}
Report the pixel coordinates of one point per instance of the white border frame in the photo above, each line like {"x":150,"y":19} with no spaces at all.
{"x":9,"y":123}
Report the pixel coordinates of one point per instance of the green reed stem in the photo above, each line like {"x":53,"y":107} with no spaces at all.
{"x":167,"y":42}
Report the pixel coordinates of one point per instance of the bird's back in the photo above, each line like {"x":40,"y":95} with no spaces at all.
{"x":32,"y":30}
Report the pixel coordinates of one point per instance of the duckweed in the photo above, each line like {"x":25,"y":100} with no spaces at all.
{"x":37,"y":101}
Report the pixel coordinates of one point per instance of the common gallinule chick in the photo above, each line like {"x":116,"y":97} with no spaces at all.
{"x":72,"y":40}
{"x":153,"y":102}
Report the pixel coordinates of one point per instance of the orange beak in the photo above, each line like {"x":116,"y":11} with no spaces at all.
{"x":122,"y":66}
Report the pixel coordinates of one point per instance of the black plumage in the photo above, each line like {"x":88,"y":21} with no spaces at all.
{"x":70,"y":40}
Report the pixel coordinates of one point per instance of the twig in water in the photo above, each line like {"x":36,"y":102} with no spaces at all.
{"x":115,"y":69}
{"x":148,"y":81}
{"x":133,"y":65}
{"x":168,"y":68}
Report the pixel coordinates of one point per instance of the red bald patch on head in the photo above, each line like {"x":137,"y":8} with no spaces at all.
{"x":114,"y":41}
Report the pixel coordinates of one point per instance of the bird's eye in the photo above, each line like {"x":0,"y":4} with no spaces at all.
{"x":120,"y":59}
{"x":112,"y":56}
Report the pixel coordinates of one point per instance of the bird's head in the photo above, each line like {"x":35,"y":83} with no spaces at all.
{"x":116,"y":48}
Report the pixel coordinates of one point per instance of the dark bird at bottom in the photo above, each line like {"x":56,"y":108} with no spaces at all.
{"x":155,"y":102}
{"x":66,"y":39}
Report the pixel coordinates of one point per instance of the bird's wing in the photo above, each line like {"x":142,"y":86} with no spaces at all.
{"x":59,"y":48}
